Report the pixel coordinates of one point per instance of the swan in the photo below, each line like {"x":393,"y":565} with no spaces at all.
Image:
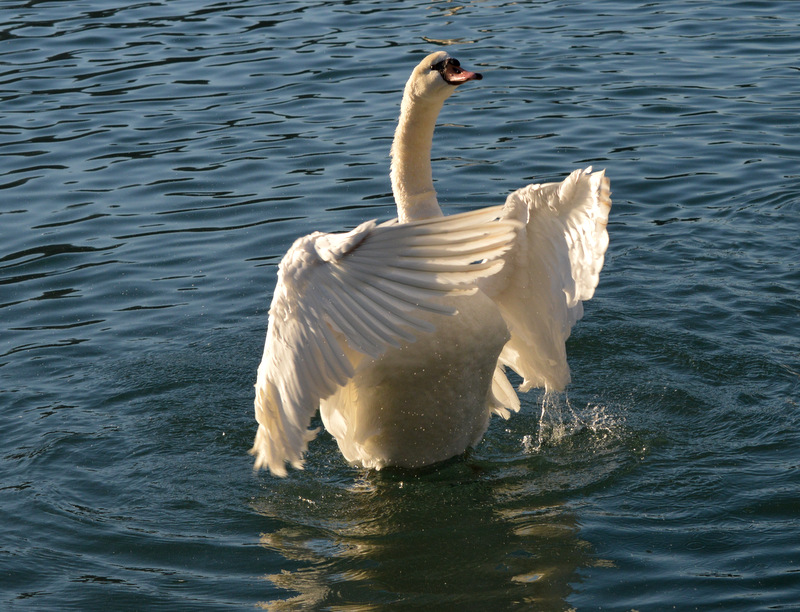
{"x":400,"y":332}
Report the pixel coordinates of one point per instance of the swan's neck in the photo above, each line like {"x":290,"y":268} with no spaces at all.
{"x":412,"y":180}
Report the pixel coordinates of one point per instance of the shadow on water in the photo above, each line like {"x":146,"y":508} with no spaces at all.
{"x":496,"y":526}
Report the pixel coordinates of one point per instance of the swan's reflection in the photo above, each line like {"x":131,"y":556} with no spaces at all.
{"x":452,"y":537}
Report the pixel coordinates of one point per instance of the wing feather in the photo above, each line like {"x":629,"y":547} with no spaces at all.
{"x":358,"y":336}
{"x":413,"y":297}
{"x":553,"y":267}
{"x":396,"y":311}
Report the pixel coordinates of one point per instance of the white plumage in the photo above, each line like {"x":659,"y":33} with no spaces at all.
{"x":400,"y":332}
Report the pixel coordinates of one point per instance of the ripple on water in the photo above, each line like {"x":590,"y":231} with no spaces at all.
{"x":158,"y":159}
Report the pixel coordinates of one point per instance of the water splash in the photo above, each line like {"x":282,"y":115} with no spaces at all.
{"x":560,"y":420}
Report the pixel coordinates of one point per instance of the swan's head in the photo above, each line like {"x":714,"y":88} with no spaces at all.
{"x":437,"y":76}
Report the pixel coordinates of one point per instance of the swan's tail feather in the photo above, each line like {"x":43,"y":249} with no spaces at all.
{"x":502,"y":398}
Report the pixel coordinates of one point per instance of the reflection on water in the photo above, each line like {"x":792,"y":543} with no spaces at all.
{"x":466,"y":533}
{"x":379,"y":542}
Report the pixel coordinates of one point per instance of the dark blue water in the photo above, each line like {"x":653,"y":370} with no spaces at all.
{"x":158,"y":158}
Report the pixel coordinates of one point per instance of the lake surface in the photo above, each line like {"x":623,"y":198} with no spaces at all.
{"x":158,"y":158}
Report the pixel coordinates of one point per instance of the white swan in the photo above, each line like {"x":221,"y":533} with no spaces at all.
{"x":400,"y":332}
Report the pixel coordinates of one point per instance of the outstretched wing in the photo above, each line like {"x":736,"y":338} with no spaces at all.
{"x":364,"y":288}
{"x":553,"y":267}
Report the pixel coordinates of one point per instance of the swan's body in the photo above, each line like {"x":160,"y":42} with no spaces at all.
{"x":399,"y":333}
{"x":425,"y":401}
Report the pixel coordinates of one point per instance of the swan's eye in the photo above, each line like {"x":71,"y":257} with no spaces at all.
{"x":449,"y":63}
